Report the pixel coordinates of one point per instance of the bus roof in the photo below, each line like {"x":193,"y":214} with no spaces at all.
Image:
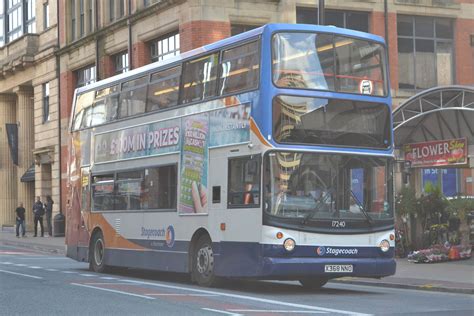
{"x":267,"y":28}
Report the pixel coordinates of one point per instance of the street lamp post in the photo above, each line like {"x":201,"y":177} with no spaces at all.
{"x":321,"y":12}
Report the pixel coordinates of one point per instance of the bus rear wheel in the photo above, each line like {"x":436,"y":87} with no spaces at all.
{"x":96,"y":253}
{"x":203,"y":263}
{"x":313,"y":283}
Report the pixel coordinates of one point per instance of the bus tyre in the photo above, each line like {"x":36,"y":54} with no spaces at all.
{"x":203,"y":262}
{"x":97,"y":251}
{"x":313,"y":283}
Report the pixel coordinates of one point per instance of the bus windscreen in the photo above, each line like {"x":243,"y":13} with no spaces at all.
{"x":328,"y":62}
{"x":305,"y":187}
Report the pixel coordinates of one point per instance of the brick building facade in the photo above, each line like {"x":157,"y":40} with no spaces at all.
{"x":97,"y":39}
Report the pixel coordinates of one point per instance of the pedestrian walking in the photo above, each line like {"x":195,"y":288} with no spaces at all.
{"x":20,"y":220}
{"x":38,"y":211}
{"x":48,"y":206}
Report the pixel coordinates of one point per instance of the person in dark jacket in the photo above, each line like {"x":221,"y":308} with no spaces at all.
{"x":38,"y":211}
{"x":20,"y":220}
{"x":48,"y":206}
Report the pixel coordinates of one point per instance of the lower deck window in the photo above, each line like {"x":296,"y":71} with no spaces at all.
{"x":143,"y":189}
{"x":244,"y":182}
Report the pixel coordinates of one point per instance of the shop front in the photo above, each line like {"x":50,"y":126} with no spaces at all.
{"x":434,"y":138}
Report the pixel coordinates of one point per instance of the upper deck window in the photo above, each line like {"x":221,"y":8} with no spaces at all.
{"x":164,"y":89}
{"x":240,"y":67}
{"x":199,"y":78}
{"x":133,"y":97}
{"x":327,"y":62}
{"x":318,"y":121}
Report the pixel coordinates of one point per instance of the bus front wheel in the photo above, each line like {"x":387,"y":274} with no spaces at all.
{"x":96,"y":252}
{"x":203,"y":262}
{"x":313,"y":283}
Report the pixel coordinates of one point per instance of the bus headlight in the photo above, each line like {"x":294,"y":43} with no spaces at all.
{"x":289,"y":244}
{"x":384,"y":245}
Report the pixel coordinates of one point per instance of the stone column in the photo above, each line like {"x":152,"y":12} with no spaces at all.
{"x":25,"y":117}
{"x":8,"y":175}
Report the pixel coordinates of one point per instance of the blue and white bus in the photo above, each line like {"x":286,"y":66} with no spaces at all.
{"x":265,"y":155}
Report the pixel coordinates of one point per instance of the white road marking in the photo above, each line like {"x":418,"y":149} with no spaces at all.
{"x":42,"y":258}
{"x":52,"y":270}
{"x":69,"y":272}
{"x":9,"y":253}
{"x":25,"y":275}
{"x":20,"y":264}
{"x":176,"y":294}
{"x":252,"y":298}
{"x":108,"y":278}
{"x":107,"y":283}
{"x":113,"y":291}
{"x":7,"y":262}
{"x":34,"y":267}
{"x":275,"y":311}
{"x":87,"y":275}
{"x":221,"y":312}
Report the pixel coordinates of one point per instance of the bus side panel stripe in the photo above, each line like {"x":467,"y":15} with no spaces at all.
{"x":112,"y":238}
{"x":256,"y":131}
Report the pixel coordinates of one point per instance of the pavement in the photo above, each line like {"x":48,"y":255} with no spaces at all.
{"x":453,"y":276}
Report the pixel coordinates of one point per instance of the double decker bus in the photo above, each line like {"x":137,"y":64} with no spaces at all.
{"x":265,"y":155}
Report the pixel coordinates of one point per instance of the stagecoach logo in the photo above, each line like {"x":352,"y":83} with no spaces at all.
{"x":366,"y":87}
{"x":169,"y":237}
{"x":321,"y":251}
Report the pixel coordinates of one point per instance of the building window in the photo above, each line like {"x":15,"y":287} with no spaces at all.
{"x":121,"y":8}
{"x":17,"y":17}
{"x":425,"y":52}
{"x":46,"y":117}
{"x":85,"y":76}
{"x":46,"y":15}
{"x":164,"y":47}
{"x":121,"y":62}
{"x":81,"y":18}
{"x":73,"y":19}
{"x":111,"y":10}
{"x":2,"y":23}
{"x":30,"y":20}
{"x":346,"y":19}
{"x":14,"y":19}
{"x":447,"y":179}
{"x":241,"y":28}
{"x":89,"y":16}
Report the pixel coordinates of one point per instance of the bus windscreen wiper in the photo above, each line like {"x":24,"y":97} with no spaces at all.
{"x":367,"y":216}
{"x":316,"y":209}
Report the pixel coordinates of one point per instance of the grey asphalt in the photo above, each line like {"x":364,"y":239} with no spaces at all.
{"x":453,"y":277}
{"x":45,"y":283}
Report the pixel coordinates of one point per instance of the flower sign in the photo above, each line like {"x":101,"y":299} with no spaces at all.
{"x":437,"y":153}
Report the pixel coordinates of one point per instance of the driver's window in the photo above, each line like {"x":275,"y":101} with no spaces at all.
{"x":244,"y":182}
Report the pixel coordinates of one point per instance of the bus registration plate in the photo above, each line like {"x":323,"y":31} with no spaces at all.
{"x":338,"y":268}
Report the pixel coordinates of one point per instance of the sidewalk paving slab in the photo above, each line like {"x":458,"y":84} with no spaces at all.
{"x":454,"y":277}
{"x":44,"y":244}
